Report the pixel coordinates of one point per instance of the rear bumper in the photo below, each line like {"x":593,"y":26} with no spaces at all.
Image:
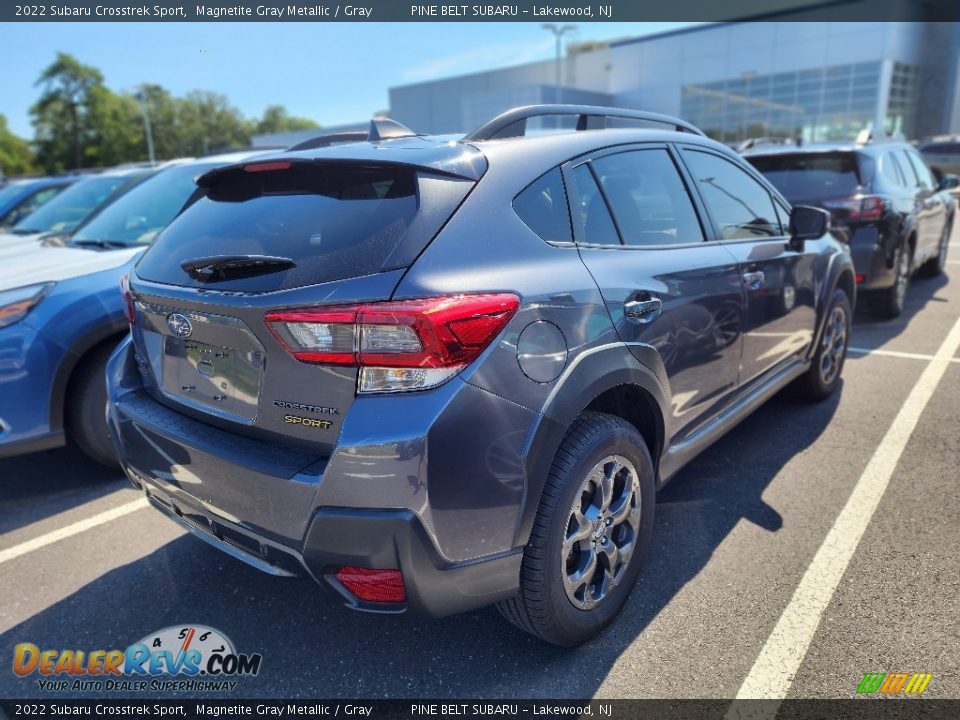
{"x":371,"y":504}
{"x":340,"y":537}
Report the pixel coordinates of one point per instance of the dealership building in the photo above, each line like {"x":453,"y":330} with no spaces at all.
{"x":816,"y":80}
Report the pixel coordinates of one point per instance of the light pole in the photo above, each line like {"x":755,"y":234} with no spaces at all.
{"x":558,"y":33}
{"x":747,"y":78}
{"x":141,"y":96}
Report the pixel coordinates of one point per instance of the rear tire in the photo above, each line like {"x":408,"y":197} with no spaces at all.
{"x":821,"y":380}
{"x":86,"y":407}
{"x":935,"y":266}
{"x":889,"y":303}
{"x":561,"y":599}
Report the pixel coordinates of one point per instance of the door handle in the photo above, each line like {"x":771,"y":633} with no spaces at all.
{"x":753,"y":280}
{"x":643,"y":311}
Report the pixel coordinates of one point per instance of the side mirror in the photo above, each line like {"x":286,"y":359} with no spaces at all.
{"x":949,"y":182}
{"x":807,"y":223}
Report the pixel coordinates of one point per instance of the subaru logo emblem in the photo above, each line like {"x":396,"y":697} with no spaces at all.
{"x":179,"y":325}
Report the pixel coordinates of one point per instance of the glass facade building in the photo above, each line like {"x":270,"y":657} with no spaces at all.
{"x":818,"y":104}
{"x":813,"y":80}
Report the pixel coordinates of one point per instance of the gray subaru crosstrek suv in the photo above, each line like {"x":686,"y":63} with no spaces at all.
{"x":435,"y":373}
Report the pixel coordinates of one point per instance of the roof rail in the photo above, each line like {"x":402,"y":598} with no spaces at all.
{"x":513,"y":123}
{"x":867,"y":137}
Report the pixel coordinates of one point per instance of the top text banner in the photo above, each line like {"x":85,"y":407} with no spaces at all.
{"x":578,"y":11}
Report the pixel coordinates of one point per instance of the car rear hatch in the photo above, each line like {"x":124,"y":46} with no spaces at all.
{"x":833,"y":180}
{"x":271,"y":236}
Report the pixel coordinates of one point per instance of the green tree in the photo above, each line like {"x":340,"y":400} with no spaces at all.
{"x":62,"y":114}
{"x":163,"y":109}
{"x":117,"y":134}
{"x":80,"y":122}
{"x":276,"y":119}
{"x":15,"y":155}
{"x":208,"y":122}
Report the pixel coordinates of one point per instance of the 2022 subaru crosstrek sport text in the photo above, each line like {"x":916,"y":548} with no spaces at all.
{"x":434,"y":374}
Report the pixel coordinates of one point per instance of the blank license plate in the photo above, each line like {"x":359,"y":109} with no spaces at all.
{"x":213,"y":377}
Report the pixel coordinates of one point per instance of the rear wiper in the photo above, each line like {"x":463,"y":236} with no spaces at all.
{"x":229,"y":267}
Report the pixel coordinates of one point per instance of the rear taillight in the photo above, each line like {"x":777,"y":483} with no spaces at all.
{"x":857,"y":208}
{"x":128,"y":300}
{"x":871,"y":207}
{"x":384,"y":586}
{"x":400,"y":345}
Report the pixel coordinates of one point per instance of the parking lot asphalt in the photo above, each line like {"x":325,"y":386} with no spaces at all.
{"x":735,"y":535}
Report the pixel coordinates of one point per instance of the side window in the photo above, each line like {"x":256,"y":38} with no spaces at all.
{"x":741,"y":206}
{"x":648,"y":198}
{"x":31,"y":204}
{"x":924,"y":176}
{"x":909,"y":172}
{"x":783,"y":214}
{"x":890,"y":169}
{"x":590,"y":210}
{"x":543,"y":207}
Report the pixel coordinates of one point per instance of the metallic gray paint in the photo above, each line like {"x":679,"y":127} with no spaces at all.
{"x":464,"y":464}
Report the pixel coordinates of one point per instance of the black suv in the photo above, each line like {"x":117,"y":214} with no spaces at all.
{"x":943,"y":156}
{"x":884,"y":201}
{"x":434,"y":374}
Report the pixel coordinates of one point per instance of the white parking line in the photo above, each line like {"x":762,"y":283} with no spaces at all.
{"x":65,"y":532}
{"x":776,"y":666}
{"x":894,"y":353}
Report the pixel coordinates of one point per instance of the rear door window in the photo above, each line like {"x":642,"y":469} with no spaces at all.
{"x":647,"y":198}
{"x":740,"y":206}
{"x":590,"y":210}
{"x":333,"y":220}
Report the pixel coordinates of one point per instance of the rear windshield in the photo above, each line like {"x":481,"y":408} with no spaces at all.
{"x":332,"y":220}
{"x":75,"y":204}
{"x":818,"y":176}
